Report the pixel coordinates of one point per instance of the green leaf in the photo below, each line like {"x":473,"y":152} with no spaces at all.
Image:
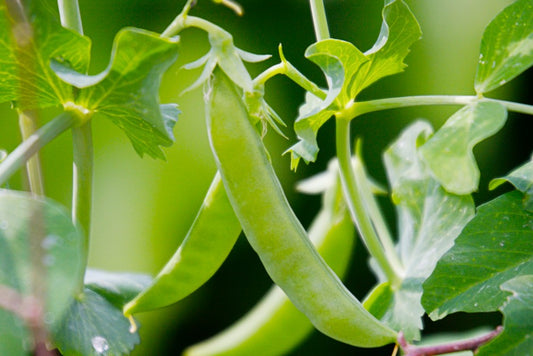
{"x":522,"y":179}
{"x":429,"y":220}
{"x":94,"y":327}
{"x":517,"y":335}
{"x":262,"y":113}
{"x":14,"y":337}
{"x":117,"y":288}
{"x":127,"y":91}
{"x":448,"y":153}
{"x":26,"y":49}
{"x":40,"y":250}
{"x":506,"y":47}
{"x":492,"y":249}
{"x":398,"y":32}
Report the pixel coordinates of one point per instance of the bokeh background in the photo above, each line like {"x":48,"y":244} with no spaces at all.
{"x":143,"y":208}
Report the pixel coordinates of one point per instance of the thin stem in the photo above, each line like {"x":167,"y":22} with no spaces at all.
{"x":28,"y":126}
{"x":356,"y":204}
{"x":82,"y":180}
{"x":319,"y":19}
{"x":465,"y":345}
{"x":182,"y":22}
{"x":363,"y":107}
{"x":34,"y":143}
{"x":69,"y":13}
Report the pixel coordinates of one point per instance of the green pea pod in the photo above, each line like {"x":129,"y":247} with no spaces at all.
{"x":207,"y":244}
{"x":273,"y":230}
{"x":274,"y":326}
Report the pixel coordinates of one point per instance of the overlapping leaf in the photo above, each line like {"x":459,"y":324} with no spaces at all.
{"x":492,"y":249}
{"x":522,"y":179}
{"x":448,"y":154}
{"x":27,"y":43}
{"x":517,"y":335}
{"x":506,"y":47}
{"x":127,"y":91}
{"x":94,"y":327}
{"x":429,"y":220}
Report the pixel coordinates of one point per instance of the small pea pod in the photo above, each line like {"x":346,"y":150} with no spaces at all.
{"x":207,"y":244}
{"x":274,"y":326}
{"x":273,"y":230}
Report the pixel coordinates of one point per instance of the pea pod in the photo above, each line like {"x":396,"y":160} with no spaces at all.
{"x":273,"y":230}
{"x":274,"y":326}
{"x":207,"y":244}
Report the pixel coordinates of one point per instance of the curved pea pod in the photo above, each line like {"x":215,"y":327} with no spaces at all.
{"x":207,"y":244}
{"x":274,"y":326}
{"x":273,"y":230}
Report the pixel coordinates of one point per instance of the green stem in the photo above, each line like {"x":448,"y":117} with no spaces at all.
{"x":35,"y":142}
{"x":28,"y":126}
{"x":320,"y":21}
{"x":362,"y":107}
{"x":182,"y":22}
{"x":357,"y":206}
{"x":69,"y":12}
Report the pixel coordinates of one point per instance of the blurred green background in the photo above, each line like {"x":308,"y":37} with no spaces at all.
{"x":143,"y":208}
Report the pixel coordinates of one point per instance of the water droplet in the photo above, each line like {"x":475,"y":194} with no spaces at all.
{"x":502,"y":82}
{"x":50,"y":241}
{"x":502,"y":244}
{"x":476,"y":304}
{"x":481,"y":56}
{"x":100,"y":344}
{"x":493,"y":64}
{"x":49,"y":260}
{"x":48,"y":318}
{"x":3,"y":225}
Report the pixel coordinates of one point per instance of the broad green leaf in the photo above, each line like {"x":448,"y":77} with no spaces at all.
{"x":517,"y":335}
{"x":26,"y":47}
{"x":14,"y":337}
{"x":522,"y":179}
{"x":506,"y":47}
{"x":429,"y":220}
{"x":492,"y":249}
{"x":94,"y":327}
{"x":117,"y":288}
{"x":127,"y":91}
{"x":40,"y":244}
{"x":398,"y":32}
{"x":448,"y":154}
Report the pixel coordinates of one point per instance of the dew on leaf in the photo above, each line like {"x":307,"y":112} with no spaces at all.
{"x":50,"y":241}
{"x":49,"y":260}
{"x":100,"y":344}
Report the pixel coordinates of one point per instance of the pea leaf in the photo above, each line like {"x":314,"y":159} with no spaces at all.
{"x":94,"y":327}
{"x":117,"y":288}
{"x":506,"y":47}
{"x":28,"y":40}
{"x":448,"y":154}
{"x":429,"y":220}
{"x":522,"y":179}
{"x":127,"y":91}
{"x":14,"y":337}
{"x":493,"y":248}
{"x":40,"y":250}
{"x":517,"y":335}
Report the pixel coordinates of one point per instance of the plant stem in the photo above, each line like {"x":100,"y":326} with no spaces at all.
{"x":35,"y":142}
{"x":357,"y":206}
{"x":362,"y":107}
{"x":69,"y":12}
{"x":320,"y":21}
{"x":465,"y":345}
{"x":182,"y":22}
{"x":28,"y":126}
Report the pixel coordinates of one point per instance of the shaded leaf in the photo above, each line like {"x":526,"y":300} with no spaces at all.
{"x":41,"y":250}
{"x":517,"y":335}
{"x":492,"y":249}
{"x":448,"y":154}
{"x":506,"y":47}
{"x":522,"y":179}
{"x":94,"y":327}
{"x":117,"y":287}
{"x":127,"y":91}
{"x":14,"y":338}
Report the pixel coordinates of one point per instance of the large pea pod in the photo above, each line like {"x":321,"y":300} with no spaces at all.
{"x":273,"y":230}
{"x":207,"y":244}
{"x":274,"y":326}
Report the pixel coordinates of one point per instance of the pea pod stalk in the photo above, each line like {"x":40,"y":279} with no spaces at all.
{"x":272,"y":228}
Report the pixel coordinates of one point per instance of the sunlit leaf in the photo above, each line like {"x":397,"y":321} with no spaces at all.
{"x":127,"y":91}
{"x":492,"y":249}
{"x":522,"y":179}
{"x":517,"y":335}
{"x":41,"y":250}
{"x":429,"y":220}
{"x":94,"y":327}
{"x":506,"y":46}
{"x":27,"y":44}
{"x":448,"y":153}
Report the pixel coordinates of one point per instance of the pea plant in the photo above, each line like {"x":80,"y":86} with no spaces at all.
{"x":449,"y":256}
